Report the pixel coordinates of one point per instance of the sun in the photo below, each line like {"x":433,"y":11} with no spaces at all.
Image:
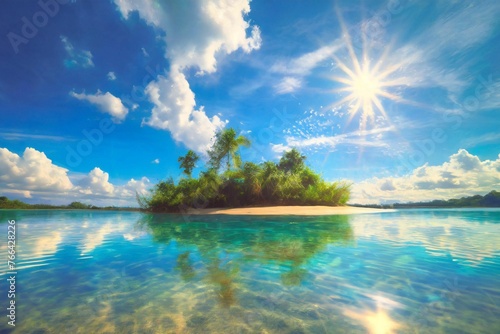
{"x":365,"y":88}
{"x":365,"y":85}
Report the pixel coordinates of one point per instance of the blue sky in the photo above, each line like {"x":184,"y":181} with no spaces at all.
{"x":99,"y":98}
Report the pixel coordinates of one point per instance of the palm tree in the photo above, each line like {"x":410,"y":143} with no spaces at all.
{"x":188,"y":162}
{"x":226,"y":147}
{"x":292,"y":161}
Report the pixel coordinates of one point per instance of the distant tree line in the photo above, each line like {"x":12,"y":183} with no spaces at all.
{"x":490,"y":200}
{"x":230,"y":182}
{"x":6,"y":203}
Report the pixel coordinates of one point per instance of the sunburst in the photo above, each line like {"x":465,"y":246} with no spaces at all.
{"x":366,"y":85}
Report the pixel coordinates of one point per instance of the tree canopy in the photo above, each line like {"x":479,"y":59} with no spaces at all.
{"x":188,"y":162}
{"x":226,"y":147}
{"x":288,"y":182}
{"x":292,"y":161}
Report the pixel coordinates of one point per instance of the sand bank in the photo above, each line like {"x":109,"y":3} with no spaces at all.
{"x":288,"y":210}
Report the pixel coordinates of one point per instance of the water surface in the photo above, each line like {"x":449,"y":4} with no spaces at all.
{"x":412,"y":271}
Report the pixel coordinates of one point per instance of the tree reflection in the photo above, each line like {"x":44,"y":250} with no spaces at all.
{"x":294,"y":277}
{"x":289,"y":242}
{"x":223,"y":277}
{"x":185,"y":267}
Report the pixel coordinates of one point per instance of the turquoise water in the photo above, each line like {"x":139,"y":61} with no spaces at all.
{"x":413,"y":271}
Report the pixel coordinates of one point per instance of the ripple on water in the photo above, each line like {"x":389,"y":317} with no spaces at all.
{"x":133,"y":273}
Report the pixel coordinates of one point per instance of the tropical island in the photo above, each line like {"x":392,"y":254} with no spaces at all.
{"x":230,"y":186}
{"x":228,"y":182}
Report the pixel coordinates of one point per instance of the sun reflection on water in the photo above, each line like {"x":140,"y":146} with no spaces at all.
{"x":379,"y":321}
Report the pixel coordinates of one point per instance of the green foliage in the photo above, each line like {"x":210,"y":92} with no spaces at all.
{"x":6,"y":203}
{"x":188,"y":162}
{"x":290,"y":182}
{"x":292,"y":161}
{"x":226,"y":148}
{"x":164,"y":197}
{"x":78,"y":205}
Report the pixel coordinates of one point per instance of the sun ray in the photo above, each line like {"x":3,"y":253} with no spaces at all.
{"x":365,"y":84}
{"x":344,"y":68}
{"x":348,"y":41}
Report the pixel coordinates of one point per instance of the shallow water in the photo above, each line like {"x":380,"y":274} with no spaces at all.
{"x":412,"y":271}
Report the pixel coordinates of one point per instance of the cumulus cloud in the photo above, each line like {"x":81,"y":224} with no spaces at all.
{"x":463,"y":174}
{"x":174,"y":110}
{"x":197,"y":30}
{"x":196,"y":33}
{"x":32,"y":171}
{"x":155,"y":161}
{"x":34,"y":175}
{"x":107,"y":103}
{"x":76,"y":57}
{"x":97,"y":183}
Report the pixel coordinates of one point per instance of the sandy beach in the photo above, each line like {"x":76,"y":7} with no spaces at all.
{"x":288,"y":210}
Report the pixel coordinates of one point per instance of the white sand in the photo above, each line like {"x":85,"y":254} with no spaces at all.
{"x":287,"y":210}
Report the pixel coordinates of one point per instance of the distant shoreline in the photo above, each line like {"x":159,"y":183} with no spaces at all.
{"x":287,"y":210}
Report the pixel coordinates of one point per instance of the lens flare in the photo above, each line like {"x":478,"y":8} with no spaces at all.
{"x":365,"y":84}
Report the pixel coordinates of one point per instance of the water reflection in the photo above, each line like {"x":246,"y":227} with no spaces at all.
{"x":185,"y":266}
{"x":285,"y":243}
{"x":468,"y":235}
{"x":41,"y":233}
{"x":378,"y":321}
{"x":223,"y":276}
{"x":214,"y":274}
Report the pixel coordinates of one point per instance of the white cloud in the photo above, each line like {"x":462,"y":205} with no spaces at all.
{"x":77,"y":58}
{"x":24,"y":136}
{"x":107,"y":103}
{"x":425,"y":61}
{"x":304,"y":64}
{"x":482,"y":139}
{"x":35,"y":176}
{"x":365,"y":138}
{"x":111,"y":76}
{"x":202,"y":29}
{"x":96,"y":183}
{"x":490,"y":97}
{"x":32,"y":171}
{"x":288,"y":85}
{"x":155,"y":161}
{"x":174,"y":110}
{"x":141,"y":187}
{"x":296,"y":69}
{"x":197,"y":32}
{"x":463,"y":175}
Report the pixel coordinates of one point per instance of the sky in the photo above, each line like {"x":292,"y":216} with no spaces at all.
{"x":98,"y":99}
